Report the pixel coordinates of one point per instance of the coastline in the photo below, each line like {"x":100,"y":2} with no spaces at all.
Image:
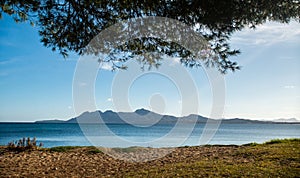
{"x":279,"y":158}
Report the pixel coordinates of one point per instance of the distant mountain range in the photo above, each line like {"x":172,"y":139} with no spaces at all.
{"x":145,"y":117}
{"x":287,"y":120}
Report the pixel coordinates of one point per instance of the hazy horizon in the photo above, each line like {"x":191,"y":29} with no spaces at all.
{"x":289,"y":120}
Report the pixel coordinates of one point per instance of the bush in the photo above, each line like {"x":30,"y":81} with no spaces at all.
{"x":24,"y":144}
{"x":251,"y":144}
{"x":287,"y":140}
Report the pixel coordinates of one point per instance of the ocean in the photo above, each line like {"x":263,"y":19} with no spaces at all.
{"x":125,"y":135}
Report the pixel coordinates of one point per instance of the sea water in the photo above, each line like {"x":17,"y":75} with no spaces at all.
{"x":125,"y":135}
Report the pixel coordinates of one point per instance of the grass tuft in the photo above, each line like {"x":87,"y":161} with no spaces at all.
{"x":24,"y":144}
{"x":88,"y":149}
{"x":63,"y":148}
{"x":275,"y":141}
{"x":93,"y":150}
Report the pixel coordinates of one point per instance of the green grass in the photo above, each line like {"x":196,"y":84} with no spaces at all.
{"x":88,"y":149}
{"x":275,"y":158}
{"x":93,"y":150}
{"x":283,"y":141}
{"x":63,"y":148}
{"x":127,"y":150}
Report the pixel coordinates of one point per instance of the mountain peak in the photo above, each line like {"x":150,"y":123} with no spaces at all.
{"x":142,"y":111}
{"x":108,"y":111}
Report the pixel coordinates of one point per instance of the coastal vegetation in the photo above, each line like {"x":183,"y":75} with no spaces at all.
{"x":88,"y":149}
{"x":24,"y":144}
{"x":275,"y":158}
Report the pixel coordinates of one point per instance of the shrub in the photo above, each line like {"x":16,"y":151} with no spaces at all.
{"x":24,"y":144}
{"x":251,"y":144}
{"x":287,"y":140}
{"x":93,"y":150}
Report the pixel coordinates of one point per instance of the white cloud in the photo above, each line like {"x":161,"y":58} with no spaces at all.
{"x":228,"y":106}
{"x":268,"y":34}
{"x":8,"y":61}
{"x":172,"y":61}
{"x":82,"y":84}
{"x":105,"y":66}
{"x":176,"y":60}
{"x":289,"y":87}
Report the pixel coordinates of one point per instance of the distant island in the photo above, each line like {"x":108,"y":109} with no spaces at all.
{"x":146,"y":117}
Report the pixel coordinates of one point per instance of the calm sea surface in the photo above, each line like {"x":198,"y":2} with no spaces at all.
{"x":122,"y":135}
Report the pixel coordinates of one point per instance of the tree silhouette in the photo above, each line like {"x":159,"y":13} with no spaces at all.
{"x":69,"y":25}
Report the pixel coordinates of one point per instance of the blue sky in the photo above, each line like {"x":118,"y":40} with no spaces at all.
{"x":36,"y":83}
